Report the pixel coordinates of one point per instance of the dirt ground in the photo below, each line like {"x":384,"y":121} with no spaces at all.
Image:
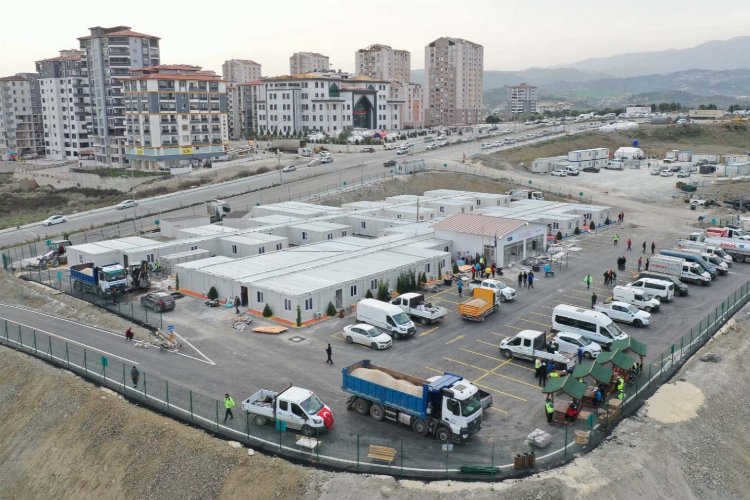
{"x":62,"y":437}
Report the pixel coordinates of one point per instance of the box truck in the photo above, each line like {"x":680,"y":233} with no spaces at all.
{"x":681,"y":268}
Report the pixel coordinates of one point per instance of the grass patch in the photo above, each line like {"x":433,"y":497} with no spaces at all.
{"x":119,"y":172}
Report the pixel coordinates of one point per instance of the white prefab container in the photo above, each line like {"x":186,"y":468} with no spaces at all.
{"x":684,"y":155}
{"x":249,"y":244}
{"x":446,"y":207}
{"x":601,"y":153}
{"x":411,"y":213}
{"x":711,"y":158}
{"x":736,"y":159}
{"x":168,"y":262}
{"x":547,"y":164}
{"x":169,"y":227}
{"x":601,"y":162}
{"x":581,"y":155}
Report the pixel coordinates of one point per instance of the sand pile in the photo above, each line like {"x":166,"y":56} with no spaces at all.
{"x":382,"y":378}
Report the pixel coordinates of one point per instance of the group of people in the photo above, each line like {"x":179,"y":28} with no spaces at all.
{"x":526,"y":279}
{"x":610,"y":277}
{"x":479,"y":269}
{"x":621,"y":262}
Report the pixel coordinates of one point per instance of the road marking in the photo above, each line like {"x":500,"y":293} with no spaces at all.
{"x":497,"y":409}
{"x":514,"y":326}
{"x":499,"y":335}
{"x":493,"y":370}
{"x":427,"y":332}
{"x":488,"y":343}
{"x":496,"y":374}
{"x":492,"y":389}
{"x":538,"y":314}
{"x":455,"y":339}
{"x":483,"y":355}
{"x":545,"y":325}
{"x":444,"y":291}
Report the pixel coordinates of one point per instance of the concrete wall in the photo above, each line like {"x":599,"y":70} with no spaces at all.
{"x":62,"y":177}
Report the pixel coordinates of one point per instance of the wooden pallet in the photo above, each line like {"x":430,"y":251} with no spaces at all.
{"x":270,"y":329}
{"x":381,"y":453}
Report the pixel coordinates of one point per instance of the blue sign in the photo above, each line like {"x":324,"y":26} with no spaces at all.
{"x":170,"y":328}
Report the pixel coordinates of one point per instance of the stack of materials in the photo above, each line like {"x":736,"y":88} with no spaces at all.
{"x":539,"y":438}
{"x":384,"y":379}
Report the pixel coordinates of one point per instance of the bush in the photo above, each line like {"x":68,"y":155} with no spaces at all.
{"x":368,"y":295}
{"x":455,"y":268}
{"x":299,"y":316}
{"x":558,"y":236}
{"x":331,"y":310}
{"x":267,"y":312}
{"x":177,"y":282}
{"x":212,"y":293}
{"x":592,"y":226}
{"x":606,"y":221}
{"x":383,"y":291}
{"x":577,"y":230}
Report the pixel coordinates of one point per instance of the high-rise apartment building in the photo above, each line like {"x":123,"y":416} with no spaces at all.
{"x":240,"y":71}
{"x":522,"y":98}
{"x":21,"y":131}
{"x":66,"y":106}
{"x":109,"y":57}
{"x":243,"y":115}
{"x":453,"y":82}
{"x":175,"y":115}
{"x":307,"y":62}
{"x":410,"y":95}
{"x":383,"y":63}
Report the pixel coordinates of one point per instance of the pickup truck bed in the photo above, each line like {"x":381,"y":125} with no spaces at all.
{"x":261,"y":403}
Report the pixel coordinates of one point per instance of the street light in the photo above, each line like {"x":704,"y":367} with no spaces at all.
{"x":135,"y":205}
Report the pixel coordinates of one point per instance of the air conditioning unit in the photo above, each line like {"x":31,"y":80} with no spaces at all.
{"x":318,"y":315}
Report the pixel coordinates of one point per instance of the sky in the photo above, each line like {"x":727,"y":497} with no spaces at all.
{"x":516,"y":34}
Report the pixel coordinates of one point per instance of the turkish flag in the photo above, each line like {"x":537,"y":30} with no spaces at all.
{"x":327,"y":416}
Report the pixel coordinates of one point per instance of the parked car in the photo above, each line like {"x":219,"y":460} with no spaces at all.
{"x":666,"y":173}
{"x":326,"y":159}
{"x":570,"y":342}
{"x":289,"y":168}
{"x":683,"y":173}
{"x":368,"y":150}
{"x":486,"y":145}
{"x":158,"y":301}
{"x":368,"y":335}
{"x":402,"y":151}
{"x":432,"y":146}
{"x":389,"y":163}
{"x":55,"y":219}
{"x":559,"y":173}
{"x":592,"y":170}
{"x":126,"y":204}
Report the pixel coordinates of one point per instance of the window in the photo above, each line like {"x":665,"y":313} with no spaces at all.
{"x":373,"y":284}
{"x":363,"y":224}
{"x":330,"y":236}
{"x":234,"y":248}
{"x":284,"y":405}
{"x":343,"y":233}
{"x":442,"y":210}
{"x":279,"y":246}
{"x":298,"y":411}
{"x":304,"y":235}
{"x":261,"y":250}
{"x":308,"y":304}
{"x":259,"y":296}
{"x":287,"y":305}
{"x":353,"y":290}
{"x":427,"y":268}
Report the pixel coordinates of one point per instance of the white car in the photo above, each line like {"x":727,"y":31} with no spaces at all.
{"x":683,"y":174}
{"x":666,"y":173}
{"x":559,"y":173}
{"x":368,"y":335}
{"x":402,"y":151}
{"x":432,"y":146}
{"x":570,"y":342}
{"x":496,"y":144}
{"x":326,"y":159}
{"x":55,"y":219}
{"x":486,"y":145}
{"x":289,"y":168}
{"x":126,"y":204}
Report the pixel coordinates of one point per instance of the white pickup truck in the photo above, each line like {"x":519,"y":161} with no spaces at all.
{"x":532,"y":344}
{"x":299,"y":408}
{"x":624,"y":313}
{"x":502,"y":291}
{"x":414,"y":305}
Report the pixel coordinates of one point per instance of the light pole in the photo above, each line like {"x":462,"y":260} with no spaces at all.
{"x":135,"y":205}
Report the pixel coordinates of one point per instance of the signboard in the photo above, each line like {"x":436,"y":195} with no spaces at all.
{"x":170,"y":328}
{"x":281,"y":426}
{"x":186,"y":150}
{"x":139,"y":151}
{"x":105,"y":361}
{"x":448,"y":447}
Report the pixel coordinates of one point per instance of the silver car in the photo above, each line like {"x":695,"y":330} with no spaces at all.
{"x":368,"y":335}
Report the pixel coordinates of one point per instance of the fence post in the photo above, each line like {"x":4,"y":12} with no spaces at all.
{"x":145,"y":394}
{"x":191,"y":404}
{"x":123,"y":377}
{"x":50,"y":346}
{"x":166,"y":386}
{"x":67,"y":357}
{"x":565,"y":449}
{"x":6,"y":331}
{"x":661,"y":368}
{"x":217,"y":420}
{"x":85,"y":369}
{"x":247,"y":425}
{"x":20,"y":335}
{"x":34,"y":336}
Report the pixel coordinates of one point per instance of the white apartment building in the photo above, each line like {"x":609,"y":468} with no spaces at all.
{"x":411,"y":95}
{"x":453,"y":82}
{"x":175,"y":116}
{"x":243,"y":116}
{"x":66,"y":104}
{"x":326,"y":102}
{"x":109,"y":56}
{"x":240,"y":71}
{"x":522,"y":98}
{"x":308,"y":62}
{"x":20,"y":117}
{"x":383,"y":63}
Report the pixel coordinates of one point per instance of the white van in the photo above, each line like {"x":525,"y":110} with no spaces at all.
{"x":658,"y":288}
{"x":638,"y":298}
{"x":571,"y":170}
{"x":385,"y":316}
{"x":590,"y":324}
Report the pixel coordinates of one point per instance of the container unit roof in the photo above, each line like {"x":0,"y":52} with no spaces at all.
{"x":440,"y":193}
{"x":320,"y":226}
{"x":479,"y":224}
{"x":364,"y":205}
{"x":272,"y":219}
{"x":186,"y":253}
{"x":253,"y":238}
{"x":208,"y":230}
{"x":410,"y":228}
{"x":199,"y":264}
{"x":296,"y":208}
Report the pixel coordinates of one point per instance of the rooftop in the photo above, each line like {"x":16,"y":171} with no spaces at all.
{"x":479,"y":224}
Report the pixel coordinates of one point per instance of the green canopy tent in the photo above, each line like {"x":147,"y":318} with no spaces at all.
{"x":606,"y":357}
{"x":630,"y":344}
{"x":568,"y":385}
{"x":599,"y":373}
{"x":623,"y":361}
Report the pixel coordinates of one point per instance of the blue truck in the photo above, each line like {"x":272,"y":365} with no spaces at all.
{"x":103,"y":280}
{"x":447,"y":407}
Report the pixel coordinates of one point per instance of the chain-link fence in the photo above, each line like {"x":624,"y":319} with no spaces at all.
{"x":417,"y":457}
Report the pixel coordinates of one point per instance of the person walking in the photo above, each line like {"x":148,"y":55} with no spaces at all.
{"x":473,"y":273}
{"x":640,"y":263}
{"x":492,"y":267}
{"x":538,"y":369}
{"x":588,"y":280}
{"x":129,"y":334}
{"x":630,"y":243}
{"x":228,"y":405}
{"x":644,"y":246}
{"x":615,"y":238}
{"x":520,"y":280}
{"x":236,"y":305}
{"x":134,"y":376}
{"x":460,"y":287}
{"x":329,"y":351}
{"x":549,"y":410}
{"x":525,"y":279}
{"x":612,"y":278}
{"x":606,"y":278}
{"x":593,"y":299}
{"x":653,"y":247}
{"x":579,"y":353}
{"x":530,"y":279}
{"x":646,"y":263}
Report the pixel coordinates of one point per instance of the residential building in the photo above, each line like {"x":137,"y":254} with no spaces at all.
{"x":243,"y":117}
{"x":522,"y":98}
{"x":383,"y":63}
{"x":175,"y":115}
{"x":240,"y":71}
{"x":410,"y":95}
{"x":637,"y":110}
{"x":21,"y":131}
{"x":308,"y":62}
{"x":66,"y":105}
{"x":109,"y":57}
{"x":326,"y":102}
{"x":453,"y":82}
{"x":553,"y":106}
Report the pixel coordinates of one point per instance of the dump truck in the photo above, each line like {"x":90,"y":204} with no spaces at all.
{"x":414,"y":305}
{"x":101,"y":280}
{"x":482,"y":304}
{"x":217,"y":209}
{"x":532,"y":344}
{"x":298,"y":408}
{"x":448,"y":408}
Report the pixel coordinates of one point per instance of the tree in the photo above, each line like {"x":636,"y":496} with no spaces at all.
{"x":592,"y":226}
{"x":368,"y":295}
{"x":177,"y":282}
{"x":492,"y":119}
{"x":299,"y":316}
{"x":383,"y":291}
{"x":212,"y":293}
{"x":331,"y":312}
{"x":440,"y":270}
{"x":558,"y":236}
{"x":267,"y":312}
{"x":577,"y":230}
{"x":455,"y":268}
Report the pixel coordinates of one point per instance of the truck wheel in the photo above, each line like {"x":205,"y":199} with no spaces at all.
{"x":349,"y":340}
{"x":260,"y":420}
{"x":77,"y":285}
{"x":507,"y":353}
{"x":377,"y":412}
{"x":361,"y":406}
{"x":503,"y":298}
{"x":638,"y":323}
{"x":307,"y":430}
{"x":443,"y":435}
{"x":420,"y":427}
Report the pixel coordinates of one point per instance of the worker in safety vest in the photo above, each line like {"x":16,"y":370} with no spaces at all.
{"x":620,"y":383}
{"x":228,"y":405}
{"x":549,"y":409}
{"x":621,"y":395}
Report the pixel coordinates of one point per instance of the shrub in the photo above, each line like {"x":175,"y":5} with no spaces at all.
{"x":455,"y":268}
{"x":177,"y":282}
{"x":577,"y":230}
{"x":606,"y":221}
{"x":592,"y":226}
{"x":267,"y":312}
{"x":368,"y":295}
{"x":383,"y":291}
{"x":299,"y":316}
{"x":558,"y":236}
{"x":331,"y":310}
{"x":212,"y":293}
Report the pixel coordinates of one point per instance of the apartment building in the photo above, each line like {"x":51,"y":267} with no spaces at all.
{"x":240,"y":71}
{"x":326,"y":102}
{"x":174,"y":116}
{"x":453,"y":82}
{"x":109,"y":57}
{"x":21,"y":131}
{"x":66,"y":106}
{"x":522,"y":98}
{"x":383,"y":63}
{"x":243,"y":107}
{"x":307,"y":62}
{"x":411,"y":97}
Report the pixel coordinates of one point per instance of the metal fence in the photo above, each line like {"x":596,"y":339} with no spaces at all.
{"x":417,"y":457}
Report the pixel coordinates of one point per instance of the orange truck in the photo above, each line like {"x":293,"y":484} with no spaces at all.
{"x":481,"y":305}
